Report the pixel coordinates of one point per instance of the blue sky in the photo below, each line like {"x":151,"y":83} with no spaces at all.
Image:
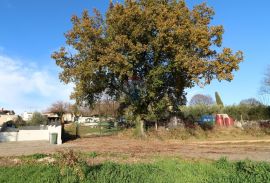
{"x":31,"y":30}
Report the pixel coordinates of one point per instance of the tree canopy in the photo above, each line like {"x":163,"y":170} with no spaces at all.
{"x":265,"y":88}
{"x":201,"y":99}
{"x":250,"y":101}
{"x":145,"y":53}
{"x":38,"y":119}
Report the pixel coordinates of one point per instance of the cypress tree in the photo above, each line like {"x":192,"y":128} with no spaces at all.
{"x":218,"y":99}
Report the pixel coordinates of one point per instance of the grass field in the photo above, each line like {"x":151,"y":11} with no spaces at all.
{"x":163,"y":170}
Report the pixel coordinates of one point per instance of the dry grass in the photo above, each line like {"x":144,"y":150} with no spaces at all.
{"x":198,"y":134}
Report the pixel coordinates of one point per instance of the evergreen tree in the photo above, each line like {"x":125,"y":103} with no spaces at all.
{"x":218,"y":100}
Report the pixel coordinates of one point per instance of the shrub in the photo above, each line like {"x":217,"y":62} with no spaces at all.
{"x":197,"y":111}
{"x":253,"y":171}
{"x":248,"y":112}
{"x":71,"y":164}
{"x":38,"y":119}
{"x":19,"y":121}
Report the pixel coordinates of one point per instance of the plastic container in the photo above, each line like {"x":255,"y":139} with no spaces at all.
{"x":232,"y":121}
{"x":229,"y":122}
{"x":207,"y":119}
{"x":219,"y":120}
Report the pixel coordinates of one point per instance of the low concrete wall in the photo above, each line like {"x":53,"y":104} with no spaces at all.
{"x":8,"y":136}
{"x":28,"y":135}
{"x":31,"y":135}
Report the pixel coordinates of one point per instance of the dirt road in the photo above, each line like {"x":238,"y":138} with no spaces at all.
{"x":28,"y":148}
{"x":118,"y":148}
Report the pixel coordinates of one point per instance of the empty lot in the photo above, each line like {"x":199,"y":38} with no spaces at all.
{"x":134,"y":150}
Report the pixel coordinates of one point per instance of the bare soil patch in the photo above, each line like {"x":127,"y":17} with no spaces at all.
{"x":127,"y":150}
{"x":28,"y":148}
{"x":135,"y":150}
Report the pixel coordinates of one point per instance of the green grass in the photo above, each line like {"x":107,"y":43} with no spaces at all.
{"x":30,"y":173}
{"x":166,"y":171}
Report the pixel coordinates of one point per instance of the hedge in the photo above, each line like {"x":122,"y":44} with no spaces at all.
{"x":248,"y":112}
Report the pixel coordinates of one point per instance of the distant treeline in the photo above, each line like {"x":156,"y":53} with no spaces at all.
{"x":238,"y":112}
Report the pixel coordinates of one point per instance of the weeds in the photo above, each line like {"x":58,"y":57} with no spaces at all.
{"x":166,"y":170}
{"x":72,"y":165}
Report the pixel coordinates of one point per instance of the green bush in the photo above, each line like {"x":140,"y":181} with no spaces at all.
{"x":248,"y":112}
{"x":195,"y":112}
{"x":38,"y":119}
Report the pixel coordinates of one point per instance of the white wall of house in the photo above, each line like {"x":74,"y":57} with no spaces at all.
{"x":6,"y":117}
{"x":31,"y":135}
{"x":27,"y":116}
{"x":88,"y":120}
{"x":68,"y":117}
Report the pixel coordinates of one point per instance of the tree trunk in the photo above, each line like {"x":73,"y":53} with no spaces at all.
{"x":156,"y":125}
{"x":142,"y":129}
{"x":141,"y":125}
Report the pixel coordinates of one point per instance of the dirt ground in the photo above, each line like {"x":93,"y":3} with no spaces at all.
{"x":28,"y":148}
{"x":258,"y":150}
{"x":132,"y":150}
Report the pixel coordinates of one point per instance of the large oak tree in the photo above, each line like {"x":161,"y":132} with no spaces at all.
{"x":145,"y":53}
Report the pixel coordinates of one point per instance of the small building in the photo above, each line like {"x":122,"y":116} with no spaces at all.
{"x":69,"y":117}
{"x":88,"y":119}
{"x":7,"y":115}
{"x":52,"y":117}
{"x":26,"y":116}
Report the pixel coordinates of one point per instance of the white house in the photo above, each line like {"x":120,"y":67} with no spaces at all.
{"x":26,"y":116}
{"x":88,"y":119}
{"x":68,"y":117}
{"x":7,"y":115}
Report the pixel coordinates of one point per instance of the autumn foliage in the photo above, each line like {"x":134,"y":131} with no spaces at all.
{"x":144,"y":54}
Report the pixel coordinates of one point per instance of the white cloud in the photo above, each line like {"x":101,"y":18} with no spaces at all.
{"x":28,"y":87}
